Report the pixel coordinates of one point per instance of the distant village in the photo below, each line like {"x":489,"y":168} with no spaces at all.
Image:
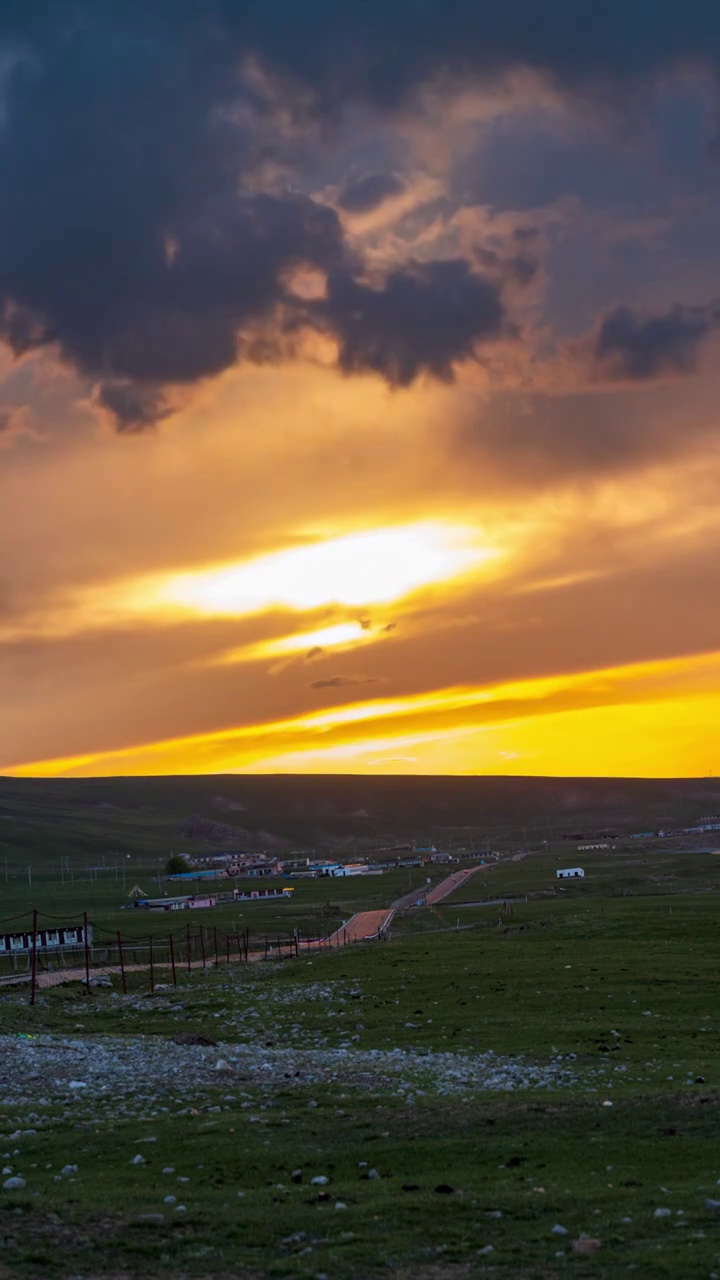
{"x":215,"y":869}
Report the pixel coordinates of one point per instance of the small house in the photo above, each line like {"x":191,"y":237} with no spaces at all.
{"x":570,"y":873}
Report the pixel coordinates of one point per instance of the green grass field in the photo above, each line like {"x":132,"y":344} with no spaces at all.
{"x":628,"y":985}
{"x":597,"y":998}
{"x":623,"y":869}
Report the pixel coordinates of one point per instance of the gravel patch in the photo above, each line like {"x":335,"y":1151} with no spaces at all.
{"x":116,"y":1066}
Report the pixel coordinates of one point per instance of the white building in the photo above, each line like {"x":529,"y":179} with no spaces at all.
{"x":569,"y":873}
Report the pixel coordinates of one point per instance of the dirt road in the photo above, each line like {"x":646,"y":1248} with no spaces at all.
{"x":366,"y":924}
{"x":449,"y":886}
{"x":428,"y":898}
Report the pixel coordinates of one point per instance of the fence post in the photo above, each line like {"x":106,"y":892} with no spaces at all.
{"x":33,"y":980}
{"x":122,"y":963}
{"x":202,"y":944}
{"x":247,"y":942}
{"x":187,"y":933}
{"x":152,"y":968}
{"x":87,"y":952}
{"x":227,"y":948}
{"x":172,"y":959}
{"x":215,"y":946}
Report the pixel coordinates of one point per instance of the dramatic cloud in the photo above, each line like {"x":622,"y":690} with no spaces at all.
{"x":425,"y":318}
{"x":147,"y":152}
{"x":390,"y":266}
{"x":365,"y":194}
{"x":638,"y":348}
{"x":132,"y":405}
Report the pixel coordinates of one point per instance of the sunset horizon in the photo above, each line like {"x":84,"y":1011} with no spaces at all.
{"x":358,"y":422}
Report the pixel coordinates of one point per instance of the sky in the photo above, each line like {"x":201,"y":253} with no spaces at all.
{"x":359,"y":387}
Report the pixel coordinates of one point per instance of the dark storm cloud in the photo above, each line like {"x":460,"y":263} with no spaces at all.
{"x":132,"y":405}
{"x":424,"y":318}
{"x":639,"y":348}
{"x":131,"y":238}
{"x":367,"y":193}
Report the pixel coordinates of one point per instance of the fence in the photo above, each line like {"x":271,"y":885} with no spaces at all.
{"x":30,"y":954}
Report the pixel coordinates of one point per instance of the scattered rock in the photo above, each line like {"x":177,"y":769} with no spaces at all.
{"x":712,"y":1204}
{"x":13,"y":1184}
{"x":222,"y":1065}
{"x":586,"y":1245}
{"x":559,"y":1230}
{"x":320,"y":1180}
{"x":410,"y":1186}
{"x":340,"y":1205}
{"x":155,"y":1219}
{"x":661,"y":1213}
{"x":443,"y":1189}
{"x":69,"y":1169}
{"x":192,"y":1037}
{"x":297,"y":1175}
{"x":487,"y":1249}
{"x":138,"y":1160}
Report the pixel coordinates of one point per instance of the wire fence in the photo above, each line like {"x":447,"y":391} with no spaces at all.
{"x":37,"y":951}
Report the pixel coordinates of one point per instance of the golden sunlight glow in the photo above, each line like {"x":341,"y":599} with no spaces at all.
{"x":355,"y":570}
{"x":531,"y":726}
{"x":342,"y":635}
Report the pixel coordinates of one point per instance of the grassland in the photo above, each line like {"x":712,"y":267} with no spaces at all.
{"x":597,"y":1111}
{"x":91,"y":819}
{"x":631,"y":990}
{"x":621,"y":870}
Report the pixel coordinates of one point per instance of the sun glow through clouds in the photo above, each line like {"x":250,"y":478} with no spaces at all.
{"x":354,"y":570}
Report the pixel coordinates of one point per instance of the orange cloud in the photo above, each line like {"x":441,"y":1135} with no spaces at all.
{"x":577,"y":723}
